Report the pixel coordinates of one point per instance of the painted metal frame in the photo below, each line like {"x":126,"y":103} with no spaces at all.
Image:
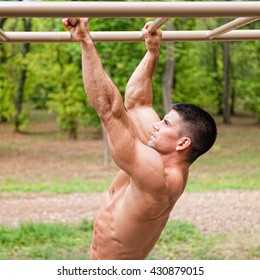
{"x":130,"y":9}
{"x":246,"y":12}
{"x":132,"y":36}
{"x":3,"y":36}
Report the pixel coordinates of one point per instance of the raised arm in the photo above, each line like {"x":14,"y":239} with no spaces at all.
{"x":101,"y":91}
{"x":139,"y":94}
{"x":129,"y":153}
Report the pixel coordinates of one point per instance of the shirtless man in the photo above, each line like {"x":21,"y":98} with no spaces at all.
{"x":153,"y":156}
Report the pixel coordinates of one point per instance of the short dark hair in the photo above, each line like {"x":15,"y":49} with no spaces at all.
{"x":199,"y":126}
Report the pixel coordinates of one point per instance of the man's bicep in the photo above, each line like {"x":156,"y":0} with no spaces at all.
{"x":122,"y":136}
{"x":140,"y":162}
{"x":144,"y":117}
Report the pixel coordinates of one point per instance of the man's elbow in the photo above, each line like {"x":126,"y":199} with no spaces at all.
{"x":107,"y":113}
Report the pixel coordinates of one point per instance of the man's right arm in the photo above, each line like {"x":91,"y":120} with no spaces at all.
{"x":101,"y":91}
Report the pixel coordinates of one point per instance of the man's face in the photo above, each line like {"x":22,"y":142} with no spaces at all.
{"x":166,"y":133}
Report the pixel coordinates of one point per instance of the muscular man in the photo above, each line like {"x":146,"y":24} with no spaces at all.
{"x":153,"y":156}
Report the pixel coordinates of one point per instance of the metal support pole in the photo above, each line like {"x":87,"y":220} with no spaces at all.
{"x":132,"y":36}
{"x":130,"y":9}
{"x":156,"y":24}
{"x":231,"y":26}
{"x":3,"y":36}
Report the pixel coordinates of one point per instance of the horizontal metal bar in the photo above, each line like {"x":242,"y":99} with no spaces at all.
{"x":3,"y":36}
{"x":132,"y":36}
{"x":236,"y":35}
{"x":231,"y":26}
{"x":130,"y":9}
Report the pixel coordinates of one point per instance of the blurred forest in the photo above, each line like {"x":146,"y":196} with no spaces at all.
{"x":222,"y":77}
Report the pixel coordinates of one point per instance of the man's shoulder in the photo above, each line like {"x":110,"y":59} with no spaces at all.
{"x":149,"y":165}
{"x":150,"y":175}
{"x":176,"y":180}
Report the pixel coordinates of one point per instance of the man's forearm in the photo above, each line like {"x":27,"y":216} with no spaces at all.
{"x":100,"y":90}
{"x":148,"y":64}
{"x":139,"y":87}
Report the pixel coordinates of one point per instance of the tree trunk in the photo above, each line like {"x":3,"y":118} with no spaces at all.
{"x":233,"y":101}
{"x":217,"y":79}
{"x":226,"y":106}
{"x":2,"y":21}
{"x":232,"y":92}
{"x":22,"y":79}
{"x":73,"y":130}
{"x":106,"y":154}
{"x":226,"y":88}
{"x":169,"y":72}
{"x":3,"y":59}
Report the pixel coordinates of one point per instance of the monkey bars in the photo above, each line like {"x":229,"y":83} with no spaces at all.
{"x":244,"y":12}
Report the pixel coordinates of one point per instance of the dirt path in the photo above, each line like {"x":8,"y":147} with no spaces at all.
{"x":219,"y":211}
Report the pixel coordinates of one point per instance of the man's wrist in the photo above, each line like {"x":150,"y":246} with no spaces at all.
{"x":153,"y":54}
{"x":86,"y":42}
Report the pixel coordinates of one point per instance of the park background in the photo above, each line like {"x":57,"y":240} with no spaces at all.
{"x":52,"y":147}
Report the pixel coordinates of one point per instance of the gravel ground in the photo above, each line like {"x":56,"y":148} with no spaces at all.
{"x":211,"y":212}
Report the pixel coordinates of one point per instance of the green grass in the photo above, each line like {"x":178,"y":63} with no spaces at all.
{"x":55,"y":187}
{"x":179,"y":240}
{"x":45,"y":241}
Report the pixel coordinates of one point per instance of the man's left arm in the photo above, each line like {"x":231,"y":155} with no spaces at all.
{"x":139,"y":93}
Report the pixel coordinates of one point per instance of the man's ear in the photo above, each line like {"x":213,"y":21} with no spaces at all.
{"x":183,"y":143}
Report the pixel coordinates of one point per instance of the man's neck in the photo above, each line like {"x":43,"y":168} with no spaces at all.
{"x":174,"y":161}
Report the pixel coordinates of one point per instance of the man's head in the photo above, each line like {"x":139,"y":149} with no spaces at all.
{"x":186,"y":129}
{"x":199,"y":126}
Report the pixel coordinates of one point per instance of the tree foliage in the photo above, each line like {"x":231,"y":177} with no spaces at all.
{"x":53,"y":72}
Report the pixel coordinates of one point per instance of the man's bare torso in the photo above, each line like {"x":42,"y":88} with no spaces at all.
{"x":129,"y":221}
